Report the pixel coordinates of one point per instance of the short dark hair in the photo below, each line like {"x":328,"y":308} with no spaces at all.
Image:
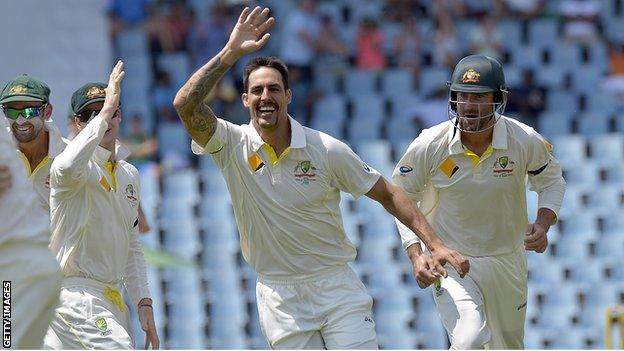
{"x":271,"y":62}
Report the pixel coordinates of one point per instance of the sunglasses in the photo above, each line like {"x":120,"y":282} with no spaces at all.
{"x":27,"y":112}
{"x":86,"y":115}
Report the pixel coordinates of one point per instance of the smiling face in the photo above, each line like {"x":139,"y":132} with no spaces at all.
{"x":28,"y":129}
{"x":266,"y":98}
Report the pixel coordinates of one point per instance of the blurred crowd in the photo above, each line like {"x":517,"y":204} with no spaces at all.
{"x":313,"y":38}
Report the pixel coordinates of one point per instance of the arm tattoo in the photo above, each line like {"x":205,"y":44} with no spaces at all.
{"x":194,"y":112}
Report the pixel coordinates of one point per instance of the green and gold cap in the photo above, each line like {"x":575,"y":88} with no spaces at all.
{"x":87,"y":94}
{"x":25,"y":88}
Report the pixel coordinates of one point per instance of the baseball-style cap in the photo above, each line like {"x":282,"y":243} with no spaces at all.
{"x":87,"y":94}
{"x":25,"y":88}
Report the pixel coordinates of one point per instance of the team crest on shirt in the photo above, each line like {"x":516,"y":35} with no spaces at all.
{"x":503,"y":167}
{"x":131,"y":195}
{"x":102,"y":326}
{"x":305,"y":172}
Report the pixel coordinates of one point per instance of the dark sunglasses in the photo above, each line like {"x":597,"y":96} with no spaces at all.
{"x":27,"y":112}
{"x":86,"y":115}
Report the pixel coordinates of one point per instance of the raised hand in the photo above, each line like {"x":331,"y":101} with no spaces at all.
{"x":249,"y":33}
{"x":113,"y":90}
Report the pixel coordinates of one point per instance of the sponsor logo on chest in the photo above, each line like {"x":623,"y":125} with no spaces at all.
{"x":305,"y":172}
{"x":131,"y":195}
{"x":503,"y":167}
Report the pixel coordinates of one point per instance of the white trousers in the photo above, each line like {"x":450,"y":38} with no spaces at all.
{"x":487,"y":308}
{"x":91,"y":315}
{"x":330,"y":311}
{"x":35,"y":282}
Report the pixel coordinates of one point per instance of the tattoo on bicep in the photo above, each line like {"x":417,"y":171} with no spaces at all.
{"x":202,"y":82}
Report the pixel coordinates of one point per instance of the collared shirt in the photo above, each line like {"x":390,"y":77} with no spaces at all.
{"x":40,"y":175}
{"x":94,"y":210}
{"x":477,"y":205}
{"x":21,"y":218}
{"x":287,"y":206}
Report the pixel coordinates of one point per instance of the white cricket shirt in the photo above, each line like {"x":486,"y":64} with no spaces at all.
{"x":94,"y":211}
{"x":477,"y":205}
{"x":40,"y":175}
{"x":287,"y":207}
{"x":21,"y":218}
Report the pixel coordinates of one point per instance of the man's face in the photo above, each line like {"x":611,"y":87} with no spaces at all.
{"x":266,"y":98}
{"x":93,"y":110}
{"x":475,"y":110}
{"x":27,"y":129}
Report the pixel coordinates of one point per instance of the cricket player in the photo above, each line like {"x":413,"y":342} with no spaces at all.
{"x":38,"y":139}
{"x":31,"y":278}
{"x":469,"y":176}
{"x":285,"y":182}
{"x":94,"y":200}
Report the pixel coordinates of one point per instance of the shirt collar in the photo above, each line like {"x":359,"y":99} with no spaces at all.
{"x":499,"y":137}
{"x":297,"y":136}
{"x":102,"y":155}
{"x":56,"y":144}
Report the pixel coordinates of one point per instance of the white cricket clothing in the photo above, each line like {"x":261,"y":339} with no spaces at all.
{"x":287,"y":208}
{"x":21,"y":217}
{"x":487,"y":308}
{"x":40,"y":176}
{"x":25,"y":260}
{"x":477,"y":205}
{"x":89,"y":317}
{"x":94,"y":211}
{"x":330,"y":311}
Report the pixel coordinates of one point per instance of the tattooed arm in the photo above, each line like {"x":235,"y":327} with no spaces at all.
{"x":246,"y":37}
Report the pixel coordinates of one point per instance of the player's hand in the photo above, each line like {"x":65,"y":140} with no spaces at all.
{"x":113,"y":91}
{"x":424,"y":270}
{"x":144,"y":226}
{"x":146,"y":317}
{"x":6,"y":179}
{"x":442,"y":255}
{"x":535,"y":238}
{"x":249,"y":33}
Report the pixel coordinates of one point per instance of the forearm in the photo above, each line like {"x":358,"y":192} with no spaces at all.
{"x":402,"y":208}
{"x":196,"y":115}
{"x":75,"y":158}
{"x":135,"y":275}
{"x":551,"y":197}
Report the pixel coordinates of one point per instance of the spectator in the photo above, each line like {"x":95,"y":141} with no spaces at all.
{"x":207,"y":37}
{"x":446,"y":46}
{"x":163,"y":94}
{"x":528,"y":99}
{"x":332,"y":50}
{"x":122,"y":14}
{"x":486,"y":39}
{"x":178,"y":21}
{"x":142,"y":145}
{"x":614,"y":82}
{"x":521,"y":9}
{"x":300,"y":40}
{"x":370,"y":46}
{"x":158,"y":33}
{"x":407,"y":46}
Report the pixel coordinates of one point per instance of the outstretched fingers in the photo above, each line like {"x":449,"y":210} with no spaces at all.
{"x":253,"y":15}
{"x":266,"y":25}
{"x":243,"y":16}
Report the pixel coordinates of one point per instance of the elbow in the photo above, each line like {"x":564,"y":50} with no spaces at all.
{"x":179,"y":102}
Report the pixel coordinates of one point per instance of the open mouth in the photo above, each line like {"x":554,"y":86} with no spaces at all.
{"x":266,"y":110}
